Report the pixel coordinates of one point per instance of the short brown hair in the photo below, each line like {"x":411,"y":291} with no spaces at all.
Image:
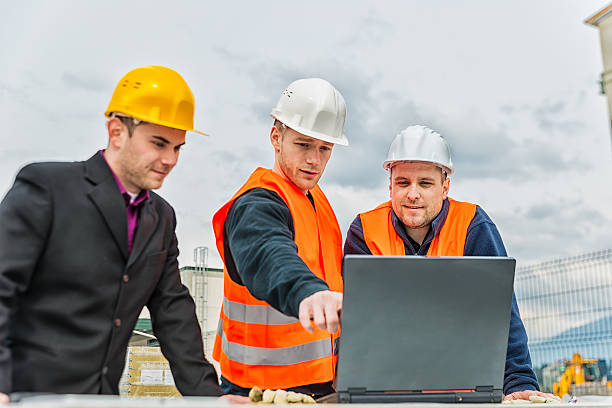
{"x":129,"y":122}
{"x":280,"y":126}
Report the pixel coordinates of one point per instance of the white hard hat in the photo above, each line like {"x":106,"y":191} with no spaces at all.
{"x":313,"y":107}
{"x":420,"y":143}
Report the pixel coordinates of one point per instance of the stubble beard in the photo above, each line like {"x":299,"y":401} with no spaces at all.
{"x":137,"y":176}
{"x":294,"y":177}
{"x":417,"y":222}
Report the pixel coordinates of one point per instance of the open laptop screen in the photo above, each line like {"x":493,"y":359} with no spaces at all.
{"x":424,"y":323}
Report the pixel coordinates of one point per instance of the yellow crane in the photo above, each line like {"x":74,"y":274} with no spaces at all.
{"x":580,"y":371}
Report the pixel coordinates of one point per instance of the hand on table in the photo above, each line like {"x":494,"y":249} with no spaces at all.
{"x":235,"y":399}
{"x":524,"y":395}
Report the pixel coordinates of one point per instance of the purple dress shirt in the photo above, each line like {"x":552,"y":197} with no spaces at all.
{"x":132,"y":206}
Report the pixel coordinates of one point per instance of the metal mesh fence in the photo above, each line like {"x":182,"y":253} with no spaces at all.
{"x":566,"y":306}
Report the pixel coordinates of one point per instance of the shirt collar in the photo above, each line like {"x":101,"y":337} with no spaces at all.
{"x":129,"y":198}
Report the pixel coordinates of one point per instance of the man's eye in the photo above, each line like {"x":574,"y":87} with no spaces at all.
{"x":426,"y":183}
{"x":302,"y":144}
{"x":159,"y":144}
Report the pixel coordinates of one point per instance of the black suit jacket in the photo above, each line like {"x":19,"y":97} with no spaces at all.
{"x":70,"y":294}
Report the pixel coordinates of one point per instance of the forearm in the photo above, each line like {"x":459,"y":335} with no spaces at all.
{"x":260,"y":252}
{"x":272,"y":271}
{"x":518,"y":374}
{"x":24,"y":221}
{"x":484,"y":240}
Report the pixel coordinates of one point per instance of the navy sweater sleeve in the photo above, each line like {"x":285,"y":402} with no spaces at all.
{"x":483,"y":239}
{"x":355,"y":242}
{"x":262,"y":255}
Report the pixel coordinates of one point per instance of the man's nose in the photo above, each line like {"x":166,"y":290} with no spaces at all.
{"x":412,"y":193}
{"x":313,"y":157}
{"x":169,"y":157}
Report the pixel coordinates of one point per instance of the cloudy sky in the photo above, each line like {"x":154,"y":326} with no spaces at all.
{"x":513,"y":85}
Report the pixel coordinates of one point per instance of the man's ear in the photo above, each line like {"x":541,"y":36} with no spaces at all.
{"x":115,"y":129}
{"x":275,"y":138}
{"x":445,"y":188}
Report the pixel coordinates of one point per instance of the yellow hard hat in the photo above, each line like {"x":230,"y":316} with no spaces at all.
{"x":157,"y":95}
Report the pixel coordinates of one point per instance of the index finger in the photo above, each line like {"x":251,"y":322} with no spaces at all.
{"x":332,"y":317}
{"x":305,"y":314}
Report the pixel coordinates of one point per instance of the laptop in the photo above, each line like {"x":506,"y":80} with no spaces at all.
{"x":424,"y":329}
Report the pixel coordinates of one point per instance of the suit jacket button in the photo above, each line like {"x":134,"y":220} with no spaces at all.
{"x":126,"y":278}
{"x":104,"y":370}
{"x":117,"y":322}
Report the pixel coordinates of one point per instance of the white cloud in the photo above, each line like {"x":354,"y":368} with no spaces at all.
{"x":513,"y":86}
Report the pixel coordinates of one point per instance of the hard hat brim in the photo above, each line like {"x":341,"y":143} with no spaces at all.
{"x":343,"y":141}
{"x":198,"y":132}
{"x":155,"y":121}
{"x":387,"y":164}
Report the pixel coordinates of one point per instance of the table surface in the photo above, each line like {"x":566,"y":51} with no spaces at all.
{"x":103,"y":401}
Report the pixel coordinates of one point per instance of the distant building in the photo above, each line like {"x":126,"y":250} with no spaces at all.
{"x":206,"y":287}
{"x":566,"y":306}
{"x":603,"y":21}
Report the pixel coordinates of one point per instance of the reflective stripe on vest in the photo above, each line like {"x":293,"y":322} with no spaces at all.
{"x":255,"y":343}
{"x":277,"y":356}
{"x":381,"y":238}
{"x":255,"y":314}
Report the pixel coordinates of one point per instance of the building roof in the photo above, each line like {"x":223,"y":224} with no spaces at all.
{"x":206,"y":269}
{"x":143,"y":324}
{"x":596,"y":18}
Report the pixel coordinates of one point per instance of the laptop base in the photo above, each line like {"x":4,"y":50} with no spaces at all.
{"x":493,"y":396}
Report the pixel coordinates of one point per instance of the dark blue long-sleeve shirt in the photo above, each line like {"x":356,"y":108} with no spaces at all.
{"x":483,"y":239}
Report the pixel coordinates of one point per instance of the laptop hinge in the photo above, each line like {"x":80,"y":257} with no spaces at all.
{"x":356,"y":390}
{"x":484,"y":388}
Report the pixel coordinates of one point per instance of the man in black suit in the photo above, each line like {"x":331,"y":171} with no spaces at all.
{"x":85,"y":245}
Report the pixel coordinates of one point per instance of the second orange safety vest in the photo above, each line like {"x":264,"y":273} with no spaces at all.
{"x":255,"y":343}
{"x":381,"y":238}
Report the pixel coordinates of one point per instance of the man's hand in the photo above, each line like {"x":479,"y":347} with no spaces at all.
{"x":235,"y":399}
{"x":4,"y":399}
{"x":323,"y":308}
{"x":524,"y":395}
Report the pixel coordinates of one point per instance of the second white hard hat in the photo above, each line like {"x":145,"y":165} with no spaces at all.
{"x":313,"y":107}
{"x":419,"y":143}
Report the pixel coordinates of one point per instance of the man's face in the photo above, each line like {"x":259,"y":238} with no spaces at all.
{"x":300,"y":158}
{"x":417,"y":193}
{"x":146,"y":158}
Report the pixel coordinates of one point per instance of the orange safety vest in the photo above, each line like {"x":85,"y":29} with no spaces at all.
{"x":381,"y":238}
{"x":255,"y":343}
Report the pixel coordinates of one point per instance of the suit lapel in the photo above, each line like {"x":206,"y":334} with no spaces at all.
{"x":147,"y":222}
{"x":106,"y":196}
